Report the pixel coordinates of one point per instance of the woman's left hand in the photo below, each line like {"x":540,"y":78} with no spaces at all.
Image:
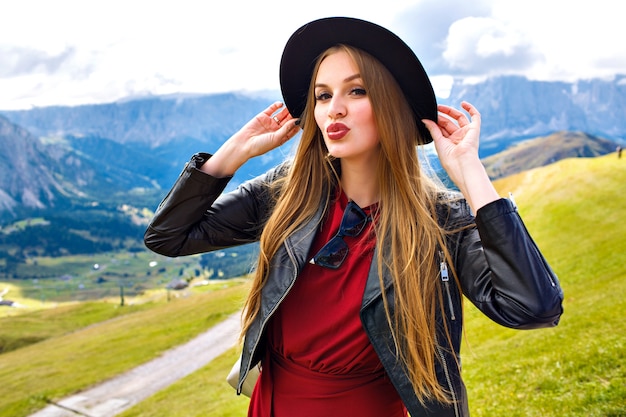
{"x":456,"y":139}
{"x":455,"y":136}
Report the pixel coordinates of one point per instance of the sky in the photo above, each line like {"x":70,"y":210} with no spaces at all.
{"x":72,"y":52}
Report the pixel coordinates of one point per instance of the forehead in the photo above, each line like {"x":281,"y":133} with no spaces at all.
{"x":336,"y":66}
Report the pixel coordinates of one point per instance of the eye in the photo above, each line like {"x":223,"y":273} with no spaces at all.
{"x":358,"y":91}
{"x":323,"y":95}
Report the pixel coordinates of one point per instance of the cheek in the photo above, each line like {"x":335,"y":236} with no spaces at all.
{"x":319,"y":117}
{"x":364,"y":111}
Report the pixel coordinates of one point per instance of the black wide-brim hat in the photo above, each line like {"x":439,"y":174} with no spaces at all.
{"x":307,"y":43}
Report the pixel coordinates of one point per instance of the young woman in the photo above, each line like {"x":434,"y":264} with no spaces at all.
{"x":355,"y":307}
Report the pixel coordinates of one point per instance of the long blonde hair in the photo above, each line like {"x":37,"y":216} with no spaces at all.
{"x":406,"y":228}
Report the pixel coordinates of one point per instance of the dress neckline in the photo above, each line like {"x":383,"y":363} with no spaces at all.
{"x":343,"y":203}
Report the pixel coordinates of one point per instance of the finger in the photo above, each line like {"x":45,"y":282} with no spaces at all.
{"x":291,"y":127}
{"x":282,"y":116}
{"x":288,"y":131}
{"x":447,"y":125}
{"x":473,"y":111}
{"x":271,"y":109}
{"x":433,"y":128}
{"x":467,"y":106}
{"x":454,"y":114}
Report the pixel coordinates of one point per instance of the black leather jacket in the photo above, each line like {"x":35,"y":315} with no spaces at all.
{"x":500,"y":269}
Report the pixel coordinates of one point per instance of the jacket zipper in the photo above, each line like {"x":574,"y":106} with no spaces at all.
{"x":445,"y":278}
{"x":264,"y":322}
{"x":447,"y":373}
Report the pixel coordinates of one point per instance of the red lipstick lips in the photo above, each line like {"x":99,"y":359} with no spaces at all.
{"x":336,"y":131}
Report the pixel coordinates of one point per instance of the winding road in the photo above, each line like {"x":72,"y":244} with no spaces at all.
{"x":122,"y":392}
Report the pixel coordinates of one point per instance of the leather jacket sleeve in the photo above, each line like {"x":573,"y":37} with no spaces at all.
{"x":499,"y":267}
{"x":197,"y":217}
{"x":503,"y":272}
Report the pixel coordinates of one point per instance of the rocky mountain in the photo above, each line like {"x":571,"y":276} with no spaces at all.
{"x":58,"y":196}
{"x":514,"y":109}
{"x":148,"y":122}
{"x":511,"y":108}
{"x":148,"y":137}
{"x":57,"y":172}
{"x":130,"y":152}
{"x":26,"y":180}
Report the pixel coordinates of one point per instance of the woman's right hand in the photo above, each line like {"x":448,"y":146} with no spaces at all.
{"x":266,"y":131}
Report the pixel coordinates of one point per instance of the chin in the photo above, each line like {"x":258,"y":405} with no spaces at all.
{"x":335,"y":154}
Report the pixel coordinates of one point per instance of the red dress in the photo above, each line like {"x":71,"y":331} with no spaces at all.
{"x":319,"y":360}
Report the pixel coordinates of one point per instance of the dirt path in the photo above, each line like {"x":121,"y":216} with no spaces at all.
{"x":118,"y":394}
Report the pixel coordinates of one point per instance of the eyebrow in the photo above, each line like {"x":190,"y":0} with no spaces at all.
{"x":346,"y":80}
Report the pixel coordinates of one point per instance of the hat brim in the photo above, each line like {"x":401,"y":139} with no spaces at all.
{"x":311,"y":40}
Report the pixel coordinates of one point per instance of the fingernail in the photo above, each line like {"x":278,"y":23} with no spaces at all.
{"x":298,"y":122}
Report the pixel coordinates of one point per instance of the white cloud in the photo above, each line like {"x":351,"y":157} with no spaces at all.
{"x":577,"y":39}
{"x":481,"y":46}
{"x":74,"y":51}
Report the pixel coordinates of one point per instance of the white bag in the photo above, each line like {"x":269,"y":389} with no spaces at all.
{"x":250,"y":381}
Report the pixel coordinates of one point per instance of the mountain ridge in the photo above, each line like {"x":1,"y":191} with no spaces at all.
{"x":91,"y":160}
{"x":545,"y":150}
{"x":512,"y":108}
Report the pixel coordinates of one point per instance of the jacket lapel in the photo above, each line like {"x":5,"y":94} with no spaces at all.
{"x":372,"y":286}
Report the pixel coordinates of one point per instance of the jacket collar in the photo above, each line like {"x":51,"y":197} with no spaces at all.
{"x":372,"y":286}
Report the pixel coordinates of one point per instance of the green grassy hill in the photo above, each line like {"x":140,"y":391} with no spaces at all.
{"x":542,"y":151}
{"x":574,"y":209}
{"x":71,"y":358}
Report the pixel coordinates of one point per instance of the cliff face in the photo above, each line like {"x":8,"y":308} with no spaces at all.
{"x":25,"y":176}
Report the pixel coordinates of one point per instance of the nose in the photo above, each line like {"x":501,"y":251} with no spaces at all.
{"x":337,"y":107}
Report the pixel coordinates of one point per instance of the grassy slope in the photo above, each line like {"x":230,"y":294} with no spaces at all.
{"x":62,"y":365}
{"x":25,"y":329}
{"x":572,"y":208}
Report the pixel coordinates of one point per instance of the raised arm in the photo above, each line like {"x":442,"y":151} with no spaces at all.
{"x":196,"y":216}
{"x":267,"y":130}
